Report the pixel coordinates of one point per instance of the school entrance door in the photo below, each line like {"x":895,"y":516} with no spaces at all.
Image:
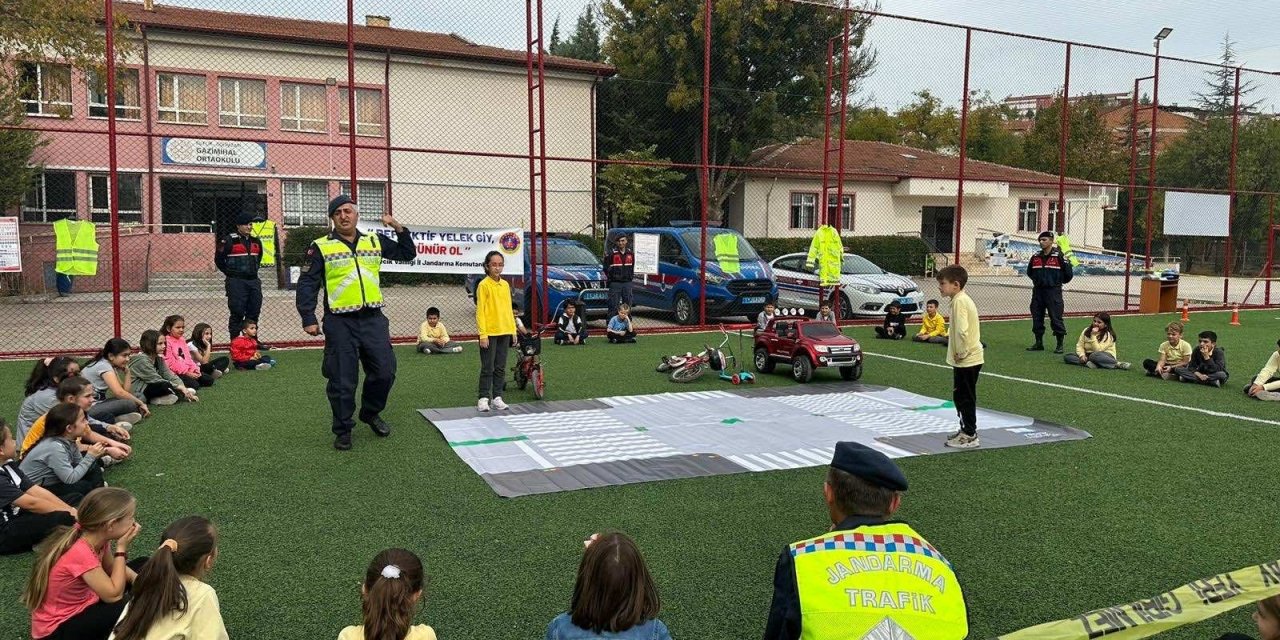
{"x":938,"y":227}
{"x":203,"y":206}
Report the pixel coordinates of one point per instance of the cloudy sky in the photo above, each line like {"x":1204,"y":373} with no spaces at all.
{"x":914,"y":56}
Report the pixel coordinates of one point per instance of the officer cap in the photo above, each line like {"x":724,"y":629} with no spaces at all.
{"x":338,"y":202}
{"x":870,"y":465}
{"x":1045,"y":234}
{"x":248,"y":217}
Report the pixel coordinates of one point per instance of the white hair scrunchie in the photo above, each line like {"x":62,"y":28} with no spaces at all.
{"x":391,"y":572}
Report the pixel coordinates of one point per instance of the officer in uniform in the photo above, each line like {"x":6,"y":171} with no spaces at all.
{"x":1048,"y":270}
{"x":620,"y":266}
{"x":346,"y":264}
{"x":869,"y":577}
{"x":238,"y":257}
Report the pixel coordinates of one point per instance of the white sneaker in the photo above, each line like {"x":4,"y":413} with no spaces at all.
{"x":217,"y":373}
{"x":482,"y":404}
{"x":963,"y":441}
{"x":165,"y":400}
{"x":131,"y":418}
{"x":263,"y":366}
{"x":457,"y":349}
{"x":498,"y":404}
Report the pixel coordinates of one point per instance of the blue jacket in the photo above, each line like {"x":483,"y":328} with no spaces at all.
{"x":562,"y":628}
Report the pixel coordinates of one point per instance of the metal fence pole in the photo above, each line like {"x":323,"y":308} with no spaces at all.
{"x":351,"y":96}
{"x":964,"y":125}
{"x":113,"y":178}
{"x":1151,"y":167}
{"x":1231,"y":186}
{"x":1062,"y":144}
{"x":705,"y":169}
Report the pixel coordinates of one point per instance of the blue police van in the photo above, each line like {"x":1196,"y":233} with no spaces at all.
{"x":676,"y":286}
{"x":573,"y":273}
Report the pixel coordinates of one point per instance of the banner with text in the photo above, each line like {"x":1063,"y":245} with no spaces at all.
{"x":456,"y":249}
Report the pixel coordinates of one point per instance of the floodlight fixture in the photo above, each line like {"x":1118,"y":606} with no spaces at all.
{"x":1164,"y":33}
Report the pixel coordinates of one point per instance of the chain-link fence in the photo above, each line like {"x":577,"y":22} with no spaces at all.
{"x":717,"y":139}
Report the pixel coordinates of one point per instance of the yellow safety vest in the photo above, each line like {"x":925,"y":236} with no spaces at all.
{"x":880,"y":581}
{"x":726,"y":247}
{"x":351,"y":278}
{"x":827,"y":250}
{"x":265,"y":232}
{"x":77,"y":248}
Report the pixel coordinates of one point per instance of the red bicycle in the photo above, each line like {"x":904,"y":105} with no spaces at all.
{"x":529,"y":363}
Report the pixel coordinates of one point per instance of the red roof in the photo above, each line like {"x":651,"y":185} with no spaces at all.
{"x":437,"y":45}
{"x":881,"y":161}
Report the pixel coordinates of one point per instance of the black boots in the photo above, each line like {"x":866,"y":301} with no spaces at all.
{"x":1058,"y":349}
{"x":1038,"y":346}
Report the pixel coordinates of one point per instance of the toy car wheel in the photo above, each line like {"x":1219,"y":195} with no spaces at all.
{"x":762,"y":361}
{"x":689,"y":373}
{"x":801,"y":368}
{"x":851,"y":373}
{"x":686,"y":312}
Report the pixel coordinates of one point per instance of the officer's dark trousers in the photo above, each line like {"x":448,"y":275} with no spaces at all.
{"x":1047,"y":299}
{"x":352,"y":340}
{"x":244,"y":302}
{"x":619,"y":292}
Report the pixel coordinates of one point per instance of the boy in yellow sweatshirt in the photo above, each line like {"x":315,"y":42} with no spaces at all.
{"x":933,"y":326}
{"x":964,"y":354}
{"x":433,"y":337}
{"x":1266,"y":385}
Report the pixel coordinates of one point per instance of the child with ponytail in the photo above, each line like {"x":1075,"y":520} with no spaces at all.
{"x":169,"y":597}
{"x":78,"y":585}
{"x":392,"y":591}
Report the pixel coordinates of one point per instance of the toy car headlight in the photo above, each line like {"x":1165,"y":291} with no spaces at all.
{"x":559,"y":285}
{"x":857,"y":348}
{"x":821,"y":348}
{"x":865,"y":289}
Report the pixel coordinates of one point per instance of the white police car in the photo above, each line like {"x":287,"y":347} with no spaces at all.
{"x":866,"y":289}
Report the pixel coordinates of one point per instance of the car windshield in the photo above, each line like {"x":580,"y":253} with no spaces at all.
{"x":569,"y":255}
{"x":820,"y":330}
{"x":855,"y":265}
{"x":693,"y":238}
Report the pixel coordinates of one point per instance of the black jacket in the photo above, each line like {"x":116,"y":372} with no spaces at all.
{"x":1214,"y":363}
{"x":898,"y":321}
{"x":238,"y":256}
{"x":620,"y":265}
{"x":1051,"y":270}
{"x":312,"y":280}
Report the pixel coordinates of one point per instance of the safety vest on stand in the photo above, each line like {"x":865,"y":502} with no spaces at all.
{"x":76,"y":248}
{"x":265,"y":232}
{"x":351,"y":278}
{"x":826,"y":250}
{"x":880,"y":581}
{"x":726,"y":248}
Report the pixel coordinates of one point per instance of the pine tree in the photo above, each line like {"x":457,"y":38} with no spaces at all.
{"x":1219,"y":98}
{"x":554,"y":47}
{"x":584,"y":42}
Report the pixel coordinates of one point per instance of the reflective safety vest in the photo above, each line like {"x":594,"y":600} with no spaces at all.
{"x":351,"y":278}
{"x":880,"y":581}
{"x":77,"y":248}
{"x":726,"y":247}
{"x":265,"y":232}
{"x":1064,"y":243}
{"x":827,"y":251}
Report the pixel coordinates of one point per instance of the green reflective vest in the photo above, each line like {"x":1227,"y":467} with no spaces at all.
{"x":351,"y":278}
{"x":1064,"y":243}
{"x":827,"y":251}
{"x":265,"y":232}
{"x":726,"y":248}
{"x":881,"y":581}
{"x":77,"y":248}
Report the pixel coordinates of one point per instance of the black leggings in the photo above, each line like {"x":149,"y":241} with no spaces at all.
{"x":204,"y":380}
{"x":216,"y":364}
{"x":155,"y":390}
{"x":28,"y":529}
{"x":76,"y":491}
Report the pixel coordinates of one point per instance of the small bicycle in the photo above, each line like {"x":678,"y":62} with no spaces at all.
{"x":690,"y":367}
{"x":529,"y":363}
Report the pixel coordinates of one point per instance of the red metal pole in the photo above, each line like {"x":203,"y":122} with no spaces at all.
{"x":532,"y":303}
{"x":386,"y":119}
{"x":824,"y":208}
{"x":836,"y":302}
{"x":1271,"y":242}
{"x":146,"y":82}
{"x":1133,"y":189}
{"x":1062,"y":144}
{"x":595,"y":167}
{"x":1151,"y":167}
{"x":1231,"y":186}
{"x":113,"y":179}
{"x":542,"y":164}
{"x":706,"y":153}
{"x":351,"y":96}
{"x":964,"y":125}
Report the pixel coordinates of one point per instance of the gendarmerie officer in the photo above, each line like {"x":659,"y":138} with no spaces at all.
{"x":238,"y":257}
{"x":346,"y":264}
{"x":868,"y":576}
{"x":1048,"y":270}
{"x":620,"y":267}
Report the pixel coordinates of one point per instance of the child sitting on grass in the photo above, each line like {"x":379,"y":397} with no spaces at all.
{"x":570,"y":327}
{"x":1266,"y":385}
{"x":56,"y":463}
{"x":620,"y":329}
{"x":614,"y":597}
{"x":933,"y":327}
{"x":169,"y":598}
{"x":433,"y":337}
{"x":245,"y":352}
{"x":150,"y":375}
{"x":1174,"y":352}
{"x":391,"y":594}
{"x":201,"y":345}
{"x":76,"y":390}
{"x":28,"y":512}
{"x":895,"y":324}
{"x":1208,"y":363}
{"x":1096,"y":347}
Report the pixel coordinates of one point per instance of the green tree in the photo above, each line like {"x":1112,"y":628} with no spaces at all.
{"x":630,"y":192}
{"x":555,"y":38}
{"x":926,"y":124}
{"x":872,"y":123}
{"x":988,"y":137}
{"x":583,"y":43}
{"x":1219,"y":97}
{"x":1094,"y":150}
{"x":768,"y":81}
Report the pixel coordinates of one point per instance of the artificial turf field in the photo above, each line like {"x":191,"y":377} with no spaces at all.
{"x":1159,"y":496}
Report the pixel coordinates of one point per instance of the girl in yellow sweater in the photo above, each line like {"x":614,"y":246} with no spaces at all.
{"x":1096,"y":347}
{"x":496,"y":325}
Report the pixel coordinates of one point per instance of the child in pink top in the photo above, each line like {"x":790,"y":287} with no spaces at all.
{"x":178,"y":356}
{"x":77,"y":585}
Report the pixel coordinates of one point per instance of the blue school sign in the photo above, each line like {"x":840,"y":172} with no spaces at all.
{"x":232,"y":154}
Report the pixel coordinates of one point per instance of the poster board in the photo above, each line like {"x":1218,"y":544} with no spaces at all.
{"x":455,"y":249}
{"x":10,"y":246}
{"x":646,"y":250}
{"x":1196,"y":214}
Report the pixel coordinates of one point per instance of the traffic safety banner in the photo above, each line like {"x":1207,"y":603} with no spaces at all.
{"x":456,"y":250}
{"x":1192,"y":602}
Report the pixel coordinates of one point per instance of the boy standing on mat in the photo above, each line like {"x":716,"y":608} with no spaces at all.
{"x":964,"y":354}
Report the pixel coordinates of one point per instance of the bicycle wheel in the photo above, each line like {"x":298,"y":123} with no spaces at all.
{"x":521,"y":380}
{"x":539,"y":385}
{"x":688,"y":373}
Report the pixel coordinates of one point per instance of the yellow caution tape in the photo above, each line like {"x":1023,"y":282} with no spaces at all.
{"x":1192,"y":602}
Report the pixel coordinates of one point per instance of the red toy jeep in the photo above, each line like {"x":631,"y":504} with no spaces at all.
{"x":806,"y":344}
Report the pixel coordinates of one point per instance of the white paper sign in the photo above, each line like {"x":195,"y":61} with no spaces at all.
{"x":1196,"y":214}
{"x":10,"y":248}
{"x":646,"y":250}
{"x":456,"y":249}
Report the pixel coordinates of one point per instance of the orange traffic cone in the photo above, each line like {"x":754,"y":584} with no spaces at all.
{"x":1235,"y":315}
{"x":1186,"y":317}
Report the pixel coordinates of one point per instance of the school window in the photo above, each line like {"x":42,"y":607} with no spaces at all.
{"x":368,"y":112}
{"x":52,"y":197}
{"x":1029,"y":215}
{"x":846,"y":210}
{"x":1054,"y":222}
{"x":130,"y":198}
{"x":242,"y":103}
{"x":45,"y":88}
{"x":804,"y":209}
{"x":305,"y":202}
{"x":128,"y":105}
{"x":371,"y":200}
{"x":181,"y":98}
{"x":302,"y":107}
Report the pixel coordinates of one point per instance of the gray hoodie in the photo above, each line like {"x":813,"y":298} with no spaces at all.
{"x":54,"y":460}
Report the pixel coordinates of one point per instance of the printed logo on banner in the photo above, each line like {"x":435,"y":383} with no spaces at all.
{"x":510,"y":242}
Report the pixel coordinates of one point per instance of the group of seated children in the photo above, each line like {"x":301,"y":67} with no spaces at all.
{"x":933,"y":325}
{"x":1206,"y":363}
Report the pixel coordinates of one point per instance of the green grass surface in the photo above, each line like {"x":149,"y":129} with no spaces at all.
{"x":1157,"y":497}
